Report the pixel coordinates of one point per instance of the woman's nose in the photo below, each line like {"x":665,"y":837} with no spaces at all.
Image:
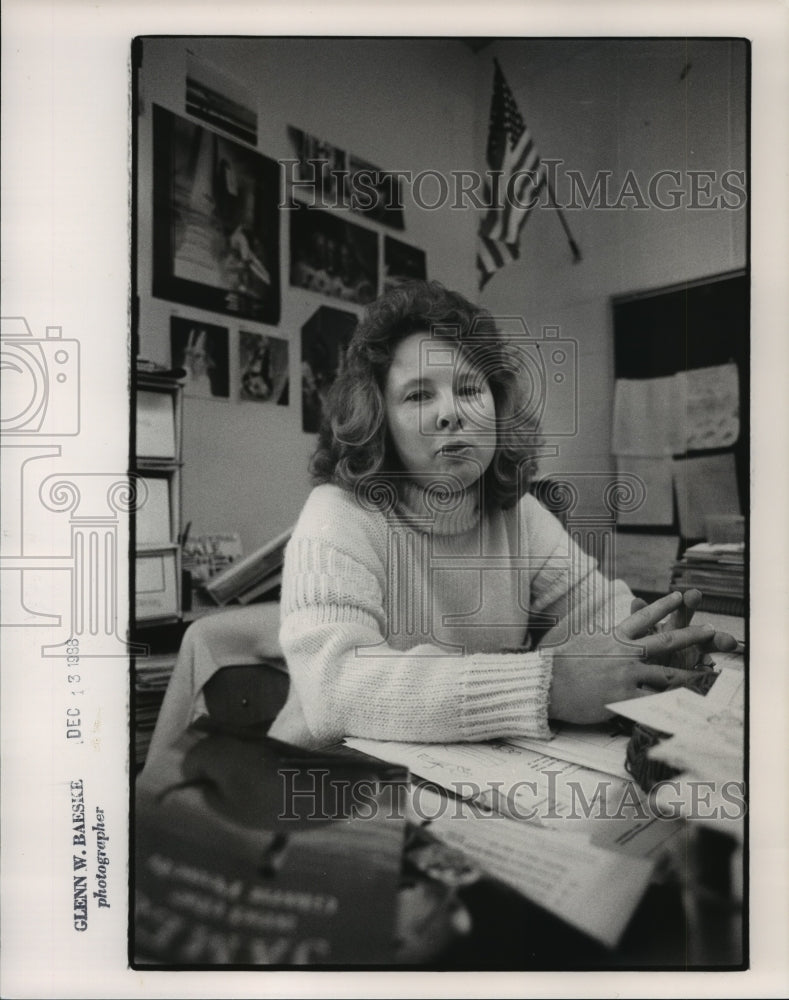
{"x":447,"y":417}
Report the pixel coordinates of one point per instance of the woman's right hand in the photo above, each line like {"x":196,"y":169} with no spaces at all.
{"x":590,"y":671}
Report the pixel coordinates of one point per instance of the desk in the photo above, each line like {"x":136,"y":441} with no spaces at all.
{"x":678,"y":924}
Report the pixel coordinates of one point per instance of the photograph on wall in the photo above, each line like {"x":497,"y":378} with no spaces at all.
{"x":320,"y":170}
{"x":324,"y":339}
{"x":402,"y":262}
{"x":263,"y":368}
{"x":219,"y":100}
{"x":216,"y":222}
{"x":332,"y":256}
{"x":201,"y":349}
{"x":374,"y":193}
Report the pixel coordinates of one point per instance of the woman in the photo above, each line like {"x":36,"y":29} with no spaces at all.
{"x":420,"y":561}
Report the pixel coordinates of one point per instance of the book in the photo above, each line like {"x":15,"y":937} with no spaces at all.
{"x":264,"y":588}
{"x":250,"y":572}
{"x":264,"y":855}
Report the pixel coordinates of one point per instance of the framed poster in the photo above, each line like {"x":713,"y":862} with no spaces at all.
{"x":216,"y":222}
{"x":263,"y":366}
{"x":331,"y":256}
{"x":324,"y":339}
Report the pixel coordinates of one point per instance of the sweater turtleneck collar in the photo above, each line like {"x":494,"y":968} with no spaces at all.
{"x":447,"y":513}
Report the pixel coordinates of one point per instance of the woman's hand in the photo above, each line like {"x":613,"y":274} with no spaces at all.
{"x":691,"y":656}
{"x":591,"y":671}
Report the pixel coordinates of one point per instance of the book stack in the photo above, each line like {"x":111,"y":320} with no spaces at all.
{"x":252,"y":578}
{"x":151,"y":677}
{"x":718,"y":571}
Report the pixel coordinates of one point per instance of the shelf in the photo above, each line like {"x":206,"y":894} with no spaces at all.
{"x":159,"y":428}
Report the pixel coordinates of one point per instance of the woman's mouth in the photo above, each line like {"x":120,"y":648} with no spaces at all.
{"x":456,"y":448}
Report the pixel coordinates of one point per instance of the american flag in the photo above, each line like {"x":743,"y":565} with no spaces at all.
{"x":510,"y":151}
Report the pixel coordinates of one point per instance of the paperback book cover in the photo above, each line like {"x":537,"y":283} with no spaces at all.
{"x":267,"y":856}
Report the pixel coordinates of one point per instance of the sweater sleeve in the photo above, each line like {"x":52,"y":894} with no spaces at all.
{"x":350,"y":682}
{"x":568,"y":591}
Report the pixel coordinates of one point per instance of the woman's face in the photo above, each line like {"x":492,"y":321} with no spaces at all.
{"x":439,"y":410}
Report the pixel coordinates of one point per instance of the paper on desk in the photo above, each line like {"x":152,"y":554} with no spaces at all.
{"x":683,"y":711}
{"x":528,"y":781}
{"x":591,"y":746}
{"x":531,"y":785}
{"x":593,"y":889}
{"x":707,"y":730}
{"x":716,"y":752}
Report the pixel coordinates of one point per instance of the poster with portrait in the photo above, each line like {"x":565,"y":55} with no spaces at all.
{"x":332,"y":256}
{"x":201,"y":349}
{"x":263,"y":368}
{"x":324,"y":339}
{"x":216,"y":223}
{"x":402,"y":262}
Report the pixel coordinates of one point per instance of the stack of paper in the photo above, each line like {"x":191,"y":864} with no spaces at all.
{"x":718,"y":571}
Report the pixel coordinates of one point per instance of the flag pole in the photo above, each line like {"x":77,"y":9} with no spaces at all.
{"x":573,"y":245}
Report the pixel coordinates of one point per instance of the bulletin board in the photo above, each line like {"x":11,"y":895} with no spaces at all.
{"x":683,"y":328}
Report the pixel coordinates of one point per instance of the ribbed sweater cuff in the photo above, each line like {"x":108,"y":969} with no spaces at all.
{"x":507,"y":693}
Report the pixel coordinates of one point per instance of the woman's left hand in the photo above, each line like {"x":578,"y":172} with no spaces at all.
{"x":692,"y":657}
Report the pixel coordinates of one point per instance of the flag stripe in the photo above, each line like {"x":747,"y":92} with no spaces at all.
{"x":510,"y":150}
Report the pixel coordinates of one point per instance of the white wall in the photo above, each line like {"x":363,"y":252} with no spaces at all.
{"x":620,"y":105}
{"x":406,"y":105}
{"x":596,"y":105}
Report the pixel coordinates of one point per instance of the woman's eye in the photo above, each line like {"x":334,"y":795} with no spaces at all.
{"x":416,"y":396}
{"x":471,"y":390}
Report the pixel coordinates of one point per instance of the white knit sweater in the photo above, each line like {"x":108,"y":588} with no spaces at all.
{"x":393,"y":624}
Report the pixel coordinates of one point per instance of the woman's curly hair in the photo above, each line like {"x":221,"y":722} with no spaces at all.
{"x":353,"y":441}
